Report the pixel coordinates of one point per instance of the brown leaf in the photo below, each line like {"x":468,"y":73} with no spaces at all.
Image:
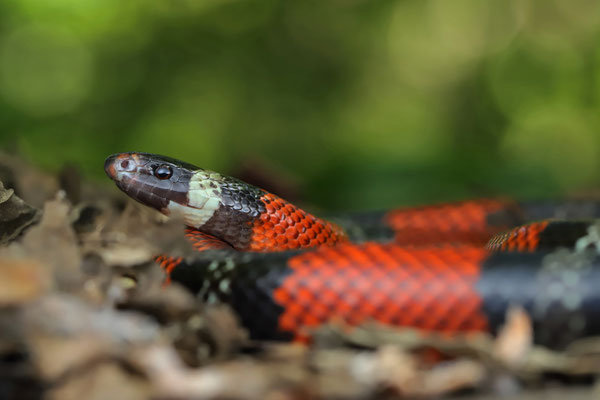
{"x":22,"y":281}
{"x":64,"y":333}
{"x":15,"y":215}
{"x":102,"y":381}
{"x":515,"y":339}
{"x":53,"y":243}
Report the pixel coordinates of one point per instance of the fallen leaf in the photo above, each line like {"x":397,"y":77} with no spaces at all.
{"x":515,"y":339}
{"x":22,"y":281}
{"x":15,"y":215}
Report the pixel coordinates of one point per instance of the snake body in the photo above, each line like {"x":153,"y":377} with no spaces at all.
{"x":288,"y":271}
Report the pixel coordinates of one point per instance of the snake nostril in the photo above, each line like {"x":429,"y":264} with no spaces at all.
{"x":116,"y":163}
{"x":109,"y":167}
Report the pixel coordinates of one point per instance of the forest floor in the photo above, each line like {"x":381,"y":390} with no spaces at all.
{"x":84,"y":314}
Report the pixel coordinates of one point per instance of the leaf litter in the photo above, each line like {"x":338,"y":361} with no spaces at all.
{"x":84,"y":314}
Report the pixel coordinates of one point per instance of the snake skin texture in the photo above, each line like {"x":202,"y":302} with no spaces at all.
{"x":543,"y":235}
{"x":430,"y":268}
{"x":284,"y":226}
{"x":203,"y":241}
{"x":242,"y":216}
{"x":468,"y":222}
{"x":450,"y":291}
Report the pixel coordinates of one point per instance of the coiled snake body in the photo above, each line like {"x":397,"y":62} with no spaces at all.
{"x":432,"y":268}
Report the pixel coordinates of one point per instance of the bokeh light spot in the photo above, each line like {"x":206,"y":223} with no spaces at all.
{"x":190,"y":121}
{"x":392,"y":124}
{"x":557,"y":145}
{"x":560,"y":22}
{"x":436,"y":42}
{"x":528,"y":78}
{"x":583,"y":15}
{"x":44,"y":70}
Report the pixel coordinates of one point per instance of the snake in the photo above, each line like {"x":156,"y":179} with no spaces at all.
{"x":447,"y":269}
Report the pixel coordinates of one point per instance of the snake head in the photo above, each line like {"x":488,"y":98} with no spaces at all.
{"x":244,"y":216}
{"x":166,"y":184}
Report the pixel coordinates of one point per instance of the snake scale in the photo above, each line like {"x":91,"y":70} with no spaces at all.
{"x":451,"y":268}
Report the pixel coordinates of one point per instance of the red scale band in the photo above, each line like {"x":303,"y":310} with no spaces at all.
{"x":431,"y":290}
{"x":522,"y":238}
{"x":465,"y":222}
{"x":284,"y":226}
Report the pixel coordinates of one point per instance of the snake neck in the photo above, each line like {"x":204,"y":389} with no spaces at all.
{"x":283,"y":226}
{"x":241,"y":215}
{"x":251,"y":219}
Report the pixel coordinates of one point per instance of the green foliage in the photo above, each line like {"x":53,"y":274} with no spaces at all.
{"x":369,"y":104}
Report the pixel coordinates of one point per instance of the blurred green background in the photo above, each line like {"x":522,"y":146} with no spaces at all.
{"x":359,"y":104}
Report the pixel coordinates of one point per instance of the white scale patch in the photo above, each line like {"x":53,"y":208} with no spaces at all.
{"x":204,"y":199}
{"x":592,"y":239}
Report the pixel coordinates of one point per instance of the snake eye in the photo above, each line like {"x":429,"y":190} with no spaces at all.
{"x":125,"y":164}
{"x":163,"y":172}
